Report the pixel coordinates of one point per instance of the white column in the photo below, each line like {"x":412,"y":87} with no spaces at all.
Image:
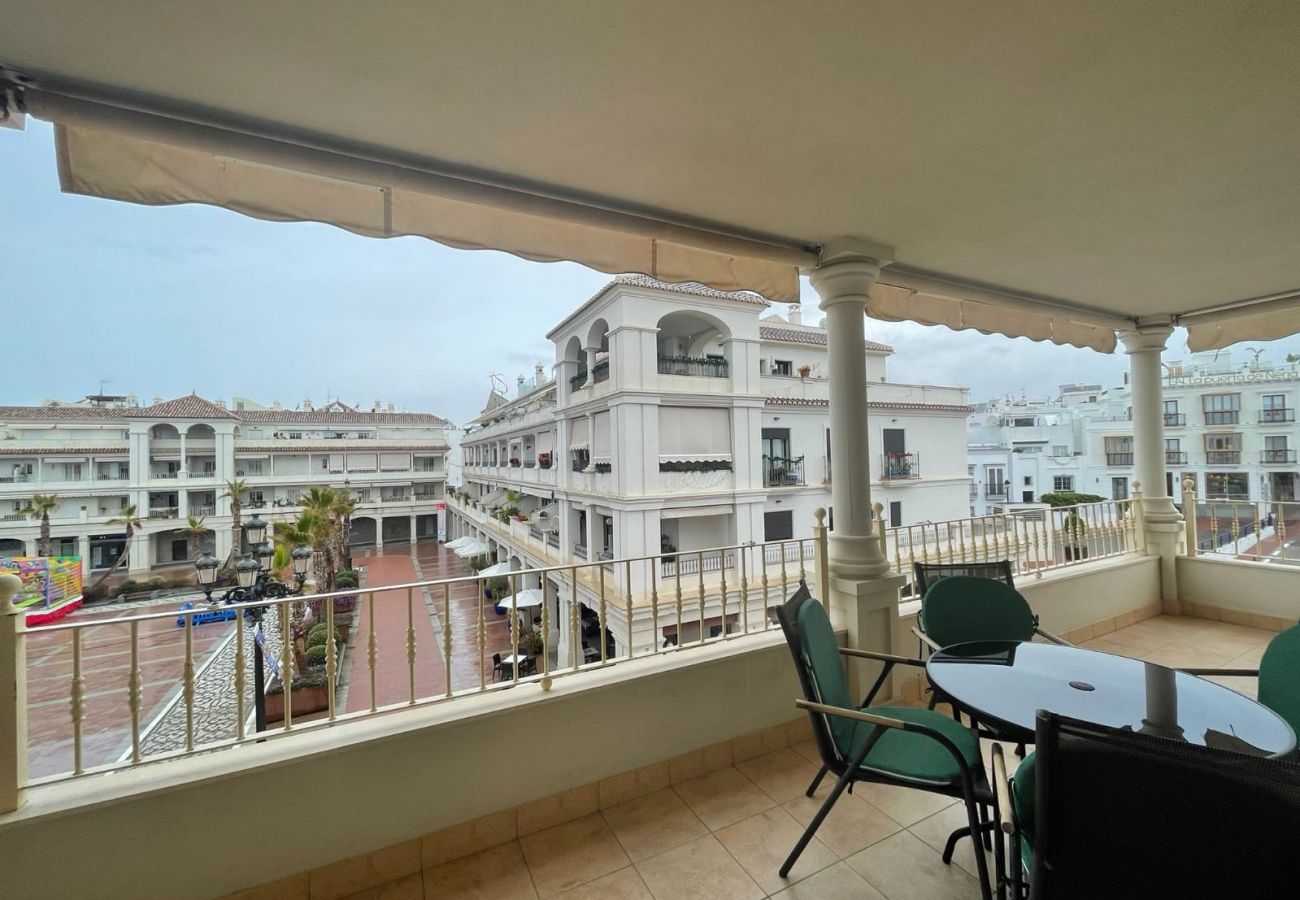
{"x":1163,"y":524}
{"x":83,"y":551}
{"x":863,"y":589}
{"x":185,"y":463}
{"x":1143,"y":347}
{"x":413,"y":518}
{"x":13,"y":698}
{"x":842,"y":282}
{"x":379,"y":531}
{"x":591,"y":366}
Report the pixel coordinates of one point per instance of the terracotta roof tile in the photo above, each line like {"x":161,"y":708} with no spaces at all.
{"x":326,"y":417}
{"x":684,"y":287}
{"x":65,"y":450}
{"x":337,"y":447}
{"x":83,"y":413}
{"x":190,"y":407}
{"x":800,"y":336}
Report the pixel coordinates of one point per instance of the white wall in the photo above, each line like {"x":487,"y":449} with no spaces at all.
{"x":1257,"y":588}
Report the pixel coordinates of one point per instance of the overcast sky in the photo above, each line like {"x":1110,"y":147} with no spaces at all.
{"x":162,"y":301}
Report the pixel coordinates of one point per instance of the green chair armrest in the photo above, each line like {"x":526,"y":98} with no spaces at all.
{"x":1051,"y":637}
{"x":882,"y":657}
{"x":1244,"y":673}
{"x":925,"y":638}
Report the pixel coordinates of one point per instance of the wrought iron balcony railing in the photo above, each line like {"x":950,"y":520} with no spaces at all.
{"x":1276,"y":456}
{"x":1175,"y":420}
{"x":899,"y":466}
{"x":1223,"y":457}
{"x":781,"y":472}
{"x":1175,"y":457}
{"x":1277,"y":415}
{"x":707,"y":366}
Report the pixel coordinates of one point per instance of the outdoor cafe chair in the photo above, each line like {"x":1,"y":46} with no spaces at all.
{"x":902,"y":746}
{"x":1111,"y":812}
{"x":1278,"y":674}
{"x":964,"y":602}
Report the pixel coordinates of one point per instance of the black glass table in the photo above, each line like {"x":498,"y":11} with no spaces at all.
{"x":1004,"y":685}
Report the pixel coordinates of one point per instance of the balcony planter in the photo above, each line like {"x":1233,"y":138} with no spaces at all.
{"x":543,"y":460}
{"x":514,"y":462}
{"x":805,"y":371}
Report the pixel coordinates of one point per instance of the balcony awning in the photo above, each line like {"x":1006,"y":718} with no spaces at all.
{"x":473,"y":548}
{"x":494,"y":499}
{"x":123,"y":154}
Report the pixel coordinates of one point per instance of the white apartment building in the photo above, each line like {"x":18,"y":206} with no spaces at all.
{"x":680,"y":419}
{"x":173,"y":459}
{"x":1229,"y":427}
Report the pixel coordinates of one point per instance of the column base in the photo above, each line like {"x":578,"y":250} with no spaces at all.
{"x":1160,"y":511}
{"x":856,"y":556}
{"x":867,"y":609}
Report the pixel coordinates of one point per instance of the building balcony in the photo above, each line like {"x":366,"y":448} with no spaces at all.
{"x":779,"y":472}
{"x":1223,"y":457}
{"x":716,"y":668}
{"x":900,"y":466}
{"x":1175,"y":420}
{"x":1276,"y":415}
{"x":1222,"y":417}
{"x":1277,"y":457}
{"x":701,"y":366}
{"x":163,"y":512}
{"x":1175,"y":458}
{"x":208,"y":510}
{"x":1119,"y":459}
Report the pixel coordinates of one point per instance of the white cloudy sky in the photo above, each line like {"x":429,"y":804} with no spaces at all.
{"x":162,"y":301}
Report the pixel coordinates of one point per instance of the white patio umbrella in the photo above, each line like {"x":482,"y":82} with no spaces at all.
{"x":459,"y":542}
{"x":501,"y":568}
{"x":523,"y":599}
{"x":473,"y":548}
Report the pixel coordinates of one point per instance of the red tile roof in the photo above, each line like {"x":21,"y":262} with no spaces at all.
{"x":191,"y":407}
{"x":82,"y":413}
{"x":119,"y":449}
{"x":800,"y":336}
{"x":337,"y":447}
{"x":327,"y":417}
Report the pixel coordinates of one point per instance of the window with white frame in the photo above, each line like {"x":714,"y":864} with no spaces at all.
{"x":1063,"y":483}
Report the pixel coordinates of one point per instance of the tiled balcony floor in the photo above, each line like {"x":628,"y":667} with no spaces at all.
{"x":725,"y":834}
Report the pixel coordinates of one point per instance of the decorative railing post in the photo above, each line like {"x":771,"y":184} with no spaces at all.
{"x":13,"y":697}
{"x":823,"y":556}
{"x":1139,"y":517}
{"x":1189,"y":516}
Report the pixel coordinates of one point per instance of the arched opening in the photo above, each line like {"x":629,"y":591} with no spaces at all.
{"x":175,"y":547}
{"x":200,"y":451}
{"x":598,"y":341}
{"x":200,"y":432}
{"x":12,"y":547}
{"x":164,"y":432}
{"x":363,"y":531}
{"x":693,"y":343}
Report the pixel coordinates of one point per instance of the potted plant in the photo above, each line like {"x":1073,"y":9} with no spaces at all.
{"x":543,"y":460}
{"x":805,"y":370}
{"x":1076,"y":536}
{"x":514,"y":461}
{"x":530,"y":643}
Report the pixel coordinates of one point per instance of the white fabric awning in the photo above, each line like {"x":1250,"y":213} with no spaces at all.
{"x":545,"y":518}
{"x":1278,"y":318}
{"x":493,"y":499}
{"x":894,"y":303}
{"x":501,"y":568}
{"x":123,"y":154}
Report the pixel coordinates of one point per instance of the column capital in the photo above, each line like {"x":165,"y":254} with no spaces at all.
{"x":1145,"y":338}
{"x":848,"y":268}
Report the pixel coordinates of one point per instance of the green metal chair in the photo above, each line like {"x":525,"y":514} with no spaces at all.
{"x":1278,"y":674}
{"x":1114,"y":813}
{"x":958,"y":609}
{"x":903,"y":746}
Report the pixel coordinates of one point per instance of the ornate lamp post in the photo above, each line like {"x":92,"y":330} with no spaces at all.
{"x":205,"y":568}
{"x":301,"y":557}
{"x":247,"y":572}
{"x":347,"y":528}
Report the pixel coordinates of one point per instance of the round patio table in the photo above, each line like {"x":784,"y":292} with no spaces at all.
{"x":1005,"y":684}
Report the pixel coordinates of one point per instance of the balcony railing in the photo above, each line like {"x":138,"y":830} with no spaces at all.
{"x":1277,"y":415}
{"x":686,"y":562}
{"x":781,"y":472}
{"x":580,"y":551}
{"x":707,"y":366}
{"x":1175,"y":420}
{"x":600,"y":371}
{"x":1277,"y":456}
{"x":164,"y":474}
{"x":1222,"y":417}
{"x":163,"y":512}
{"x":900,"y":466}
{"x":208,"y":510}
{"x":1120,"y":459}
{"x":1223,"y":457}
{"x":1175,"y":457}
{"x":578,"y":380}
{"x":396,"y":498}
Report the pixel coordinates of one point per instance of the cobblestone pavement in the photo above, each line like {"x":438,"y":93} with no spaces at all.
{"x":215,"y":704}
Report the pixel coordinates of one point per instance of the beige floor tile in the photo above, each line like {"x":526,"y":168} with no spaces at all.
{"x":486,"y":875}
{"x":409,"y":888}
{"x":761,"y":844}
{"x":935,"y":830}
{"x":808,"y":750}
{"x":467,"y":837}
{"x":292,"y":888}
{"x":571,"y":854}
{"x":700,"y":869}
{"x":630,"y":785}
{"x":367,"y":870}
{"x":838,"y":882}
{"x":723,"y":797}
{"x":851,"y":825}
{"x":558,"y":809}
{"x":653,"y":824}
{"x":625,"y":884}
{"x":905,"y":806}
{"x":903,"y":867}
{"x":782,"y":775}
{"x":1249,"y":659}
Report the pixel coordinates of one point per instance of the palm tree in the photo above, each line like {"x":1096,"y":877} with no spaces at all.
{"x":194,"y":531}
{"x":234,"y":490}
{"x":322,"y":504}
{"x":344,"y":506}
{"x":131,"y":521}
{"x":288,"y":535}
{"x":41,"y":507}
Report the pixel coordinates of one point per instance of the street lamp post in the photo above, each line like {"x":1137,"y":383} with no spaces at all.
{"x":347,"y":528}
{"x":247,"y":571}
